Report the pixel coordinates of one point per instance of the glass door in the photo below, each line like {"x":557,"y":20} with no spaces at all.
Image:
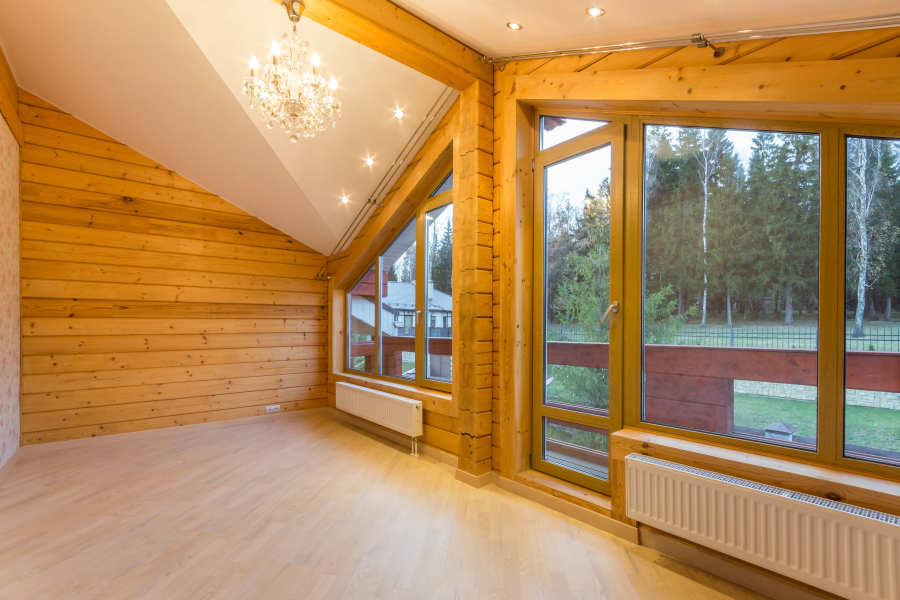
{"x":579,"y":202}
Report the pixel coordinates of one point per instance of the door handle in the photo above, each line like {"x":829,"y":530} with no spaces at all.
{"x":614,"y":307}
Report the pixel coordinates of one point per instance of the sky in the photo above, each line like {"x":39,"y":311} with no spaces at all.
{"x":573,"y":176}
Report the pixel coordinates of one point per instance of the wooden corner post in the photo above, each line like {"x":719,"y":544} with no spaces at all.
{"x":472,"y":278}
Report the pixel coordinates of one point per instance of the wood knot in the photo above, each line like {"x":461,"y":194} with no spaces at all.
{"x":645,"y":445}
{"x":834,"y":496}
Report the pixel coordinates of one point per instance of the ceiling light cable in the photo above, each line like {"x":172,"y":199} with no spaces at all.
{"x":845,"y":25}
{"x":438,"y":108}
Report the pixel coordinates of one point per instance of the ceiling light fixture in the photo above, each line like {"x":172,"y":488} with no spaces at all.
{"x":398,"y":113}
{"x":290,"y":92}
{"x":345,"y":199}
{"x":514,"y":26}
{"x":593,"y":11}
{"x":370,"y":162}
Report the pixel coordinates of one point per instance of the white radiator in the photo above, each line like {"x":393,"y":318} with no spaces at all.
{"x":388,"y":410}
{"x":850,"y":551}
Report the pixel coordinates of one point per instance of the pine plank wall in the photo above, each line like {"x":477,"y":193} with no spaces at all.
{"x":149,"y":302}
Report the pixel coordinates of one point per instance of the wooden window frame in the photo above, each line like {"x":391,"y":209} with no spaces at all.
{"x":611,"y":134}
{"x":427,"y":204}
{"x":831,"y":315}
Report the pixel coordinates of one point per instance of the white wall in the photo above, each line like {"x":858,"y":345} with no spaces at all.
{"x":9,"y":293}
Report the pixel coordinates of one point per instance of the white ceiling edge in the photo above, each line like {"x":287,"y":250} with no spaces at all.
{"x":105,"y":64}
{"x":371,"y":87}
{"x":564,"y":25}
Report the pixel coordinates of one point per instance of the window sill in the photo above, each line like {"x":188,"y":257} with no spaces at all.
{"x":842,"y":485}
{"x":432,"y":400}
{"x":569,"y":492}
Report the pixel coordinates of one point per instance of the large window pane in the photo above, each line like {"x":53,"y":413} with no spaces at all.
{"x":576,"y":282}
{"x":362,"y":301}
{"x":556,"y":130}
{"x":577,"y":447}
{"x":398,"y":306}
{"x":872,"y":397}
{"x":731,"y":226}
{"x":439,"y":295}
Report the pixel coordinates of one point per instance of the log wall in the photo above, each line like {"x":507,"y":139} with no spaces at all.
{"x":148,"y":301}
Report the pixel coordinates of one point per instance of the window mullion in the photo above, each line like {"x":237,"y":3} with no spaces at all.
{"x":831,"y":298}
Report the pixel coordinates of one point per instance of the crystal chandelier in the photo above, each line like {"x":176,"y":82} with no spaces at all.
{"x":289,"y":91}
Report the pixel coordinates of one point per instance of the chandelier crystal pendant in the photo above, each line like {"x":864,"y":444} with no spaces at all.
{"x":290,"y":92}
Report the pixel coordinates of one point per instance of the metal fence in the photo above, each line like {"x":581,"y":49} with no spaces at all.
{"x":874,"y":338}
{"x":433,"y":332}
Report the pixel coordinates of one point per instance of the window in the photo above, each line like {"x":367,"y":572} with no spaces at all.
{"x":872,"y":344}
{"x":556,"y":130}
{"x":362,"y":301}
{"x":412,"y":291}
{"x":731,"y":282}
{"x":578,"y":371}
{"x":439,"y":294}
{"x":398,"y":272}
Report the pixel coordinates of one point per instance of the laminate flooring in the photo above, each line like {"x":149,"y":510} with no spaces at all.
{"x":301,"y":508}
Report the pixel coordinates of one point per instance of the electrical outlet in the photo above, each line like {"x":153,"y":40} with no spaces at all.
{"x":273,"y":409}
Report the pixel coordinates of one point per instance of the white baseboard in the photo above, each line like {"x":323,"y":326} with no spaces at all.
{"x":41,"y":449}
{"x":9,"y":464}
{"x":429,"y":451}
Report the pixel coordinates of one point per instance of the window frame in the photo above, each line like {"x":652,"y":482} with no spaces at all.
{"x":832,"y":239}
{"x":844,"y":132}
{"x":611,"y":134}
{"x":428,"y":203}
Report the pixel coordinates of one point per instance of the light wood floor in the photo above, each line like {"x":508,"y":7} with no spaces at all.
{"x":301,"y":508}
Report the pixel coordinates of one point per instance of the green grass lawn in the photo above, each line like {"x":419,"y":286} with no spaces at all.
{"x":872,"y":427}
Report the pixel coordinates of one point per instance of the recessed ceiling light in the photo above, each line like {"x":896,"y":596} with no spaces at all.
{"x":370,"y":162}
{"x":514,"y":26}
{"x":593,"y":11}
{"x":345,"y":199}
{"x":398,"y":113}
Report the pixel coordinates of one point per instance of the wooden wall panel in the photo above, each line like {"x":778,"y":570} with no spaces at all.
{"x":148,"y":302}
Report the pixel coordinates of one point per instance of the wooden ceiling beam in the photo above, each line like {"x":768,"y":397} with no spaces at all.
{"x":402,"y":36}
{"x":847,"y":85}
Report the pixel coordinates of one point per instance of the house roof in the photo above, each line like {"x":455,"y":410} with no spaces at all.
{"x":402,"y":295}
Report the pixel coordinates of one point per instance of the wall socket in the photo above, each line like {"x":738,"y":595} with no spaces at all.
{"x":273,"y":409}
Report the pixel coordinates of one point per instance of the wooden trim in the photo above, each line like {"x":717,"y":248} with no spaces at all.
{"x":581,"y":496}
{"x":9,"y":101}
{"x":163,"y":433}
{"x":402,"y":36}
{"x":574,"y":511}
{"x":864,"y":88}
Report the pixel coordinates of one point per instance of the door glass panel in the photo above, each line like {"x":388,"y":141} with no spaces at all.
{"x":872,"y":395}
{"x":577,"y":282}
{"x":439,"y":298}
{"x":398,"y":306}
{"x":362,"y":300}
{"x":556,"y":130}
{"x":577,"y":447}
{"x":731,"y":267}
